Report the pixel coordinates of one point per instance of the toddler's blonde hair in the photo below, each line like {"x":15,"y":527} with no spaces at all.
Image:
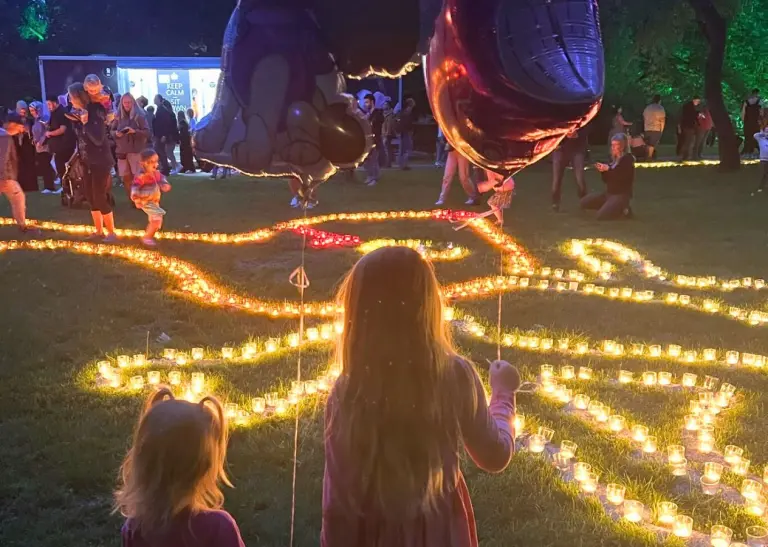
{"x":92,"y":84}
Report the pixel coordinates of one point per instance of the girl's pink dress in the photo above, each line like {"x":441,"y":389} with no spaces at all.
{"x":488,"y":438}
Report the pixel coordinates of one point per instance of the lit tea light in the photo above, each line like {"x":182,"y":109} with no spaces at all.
{"x":334,"y":370}
{"x":563,"y":344}
{"x":603,"y":413}
{"x":675,"y":453}
{"x":707,"y":417}
{"x":589,"y":484}
{"x":137,"y":382}
{"x":649,"y":378}
{"x":740,"y":467}
{"x":547,"y":344}
{"x":665,"y":378}
{"x":625,"y":376}
{"x":559,"y":273}
{"x":174,"y":378}
{"x":720,"y":536}
{"x":639,"y":433}
{"x":123,"y":361}
{"x":230,"y":410}
{"x":338,"y":327}
{"x":547,"y":372}
{"x":582,"y":348}
{"x":684,"y":299}
{"x":227,"y":352}
{"x":581,"y":471}
{"x":581,"y":401}
{"x":293,"y":398}
{"x":691,"y":422}
{"x":732,"y":454}
{"x":654,"y":351}
{"x":293,"y":340}
{"x":169,"y":353}
{"x":139,"y":360}
{"x":595,"y":407}
{"x":671,"y":298}
{"x":616,"y":423}
{"x":674,"y":351}
{"x":259,"y":405}
{"x":104,"y":368}
{"x":519,"y":423}
{"x":565,"y":395}
{"x":721,"y":399}
{"x":633,"y":510}
{"x":683,"y":526}
{"x":197,"y":354}
{"x":689,"y":380}
{"x":748,"y":359}
{"x":153,"y":377}
{"x":567,"y":372}
{"x":710,"y":354}
{"x":638,"y":349}
{"x":750,"y":489}
{"x":181,"y":359}
{"x":689,"y":356}
{"x":249,"y":350}
{"x":448,"y":313}
{"x":271,"y":345}
{"x":198,"y":382}
{"x":114,"y":381}
{"x":732,"y":357}
{"x":667,"y":511}
{"x":585,"y":373}
{"x":614,"y":292}
{"x":756,"y":506}
{"x":568,"y":448}
{"x":609,"y":346}
{"x":711,"y":383}
{"x":313,"y":334}
{"x":544,"y":284}
{"x":615,"y":493}
{"x":281,"y":406}
{"x":310,"y":387}
{"x":326,"y":332}
{"x":189,"y":396}
{"x":536,"y":444}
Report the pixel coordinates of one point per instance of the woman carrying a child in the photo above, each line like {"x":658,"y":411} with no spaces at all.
{"x":94,"y":149}
{"x":131,"y":132}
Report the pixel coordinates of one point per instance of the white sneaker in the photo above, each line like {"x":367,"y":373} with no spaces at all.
{"x":111,"y":238}
{"x":46,"y":191}
{"x":440,"y":202}
{"x":295,"y":202}
{"x":149,"y":241}
{"x":57,"y":191}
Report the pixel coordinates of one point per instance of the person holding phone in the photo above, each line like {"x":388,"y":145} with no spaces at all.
{"x":131,"y":132}
{"x":619,"y":179}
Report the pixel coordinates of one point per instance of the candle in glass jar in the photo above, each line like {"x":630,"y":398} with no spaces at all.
{"x":732,"y":454}
{"x":671,"y":298}
{"x":711,"y":383}
{"x":732,"y":357}
{"x":740,"y":467}
{"x":616,"y":423}
{"x":123,"y":361}
{"x":589,"y":484}
{"x":625,"y":376}
{"x":654,"y":351}
{"x":603,"y":413}
{"x":721,"y":399}
{"x":153,"y":377}
{"x":691,"y":422}
{"x":565,"y":395}
{"x":614,"y":292}
{"x":313,"y":334}
{"x":675,"y":453}
{"x":563,"y":344}
{"x":756,"y":506}
{"x":581,"y":401}
{"x":198,"y":382}
{"x":633,"y":510}
{"x":519,"y":423}
{"x":649,"y":378}
{"x":667,"y":512}
{"x":259,"y":405}
{"x":334,"y":370}
{"x":562,"y":462}
{"x":536,"y":444}
{"x":567,"y":372}
{"x":689,"y":356}
{"x":547,"y":372}
{"x":638,"y":349}
{"x":137,"y":382}
{"x":665,"y":378}
{"x":689,"y":380}
{"x":227,"y":352}
{"x":609,"y":346}
{"x":720,"y":536}
{"x":568,"y":448}
{"x":710,"y":354}
{"x":181,"y":358}
{"x":326,"y":332}
{"x":674,"y":351}
{"x":639,"y":433}
{"x":139,"y":360}
{"x":197,"y":354}
{"x":650,"y":445}
{"x":582,"y":348}
{"x":585,"y":373}
{"x":713,"y":470}
{"x":683,"y":526}
{"x":281,"y":406}
{"x":581,"y":470}
{"x":169,"y":353}
{"x":114,"y":381}
{"x":750,"y":489}
{"x":310,"y":387}
{"x":614,"y":493}
{"x":684,"y":299}
{"x":174,"y":377}
{"x":547,"y":343}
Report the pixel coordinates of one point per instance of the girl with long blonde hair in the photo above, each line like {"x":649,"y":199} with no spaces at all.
{"x":169,"y":491}
{"x":402,"y":407}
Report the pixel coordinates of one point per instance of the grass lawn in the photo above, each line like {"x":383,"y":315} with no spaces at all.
{"x":61,"y":440}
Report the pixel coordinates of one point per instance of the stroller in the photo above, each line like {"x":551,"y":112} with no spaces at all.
{"x":72,"y":183}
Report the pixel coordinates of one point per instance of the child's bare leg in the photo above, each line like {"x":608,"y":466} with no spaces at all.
{"x":109,"y":223}
{"x":153,"y":227}
{"x":499,"y":214}
{"x":485,"y":185}
{"x":98,"y":221}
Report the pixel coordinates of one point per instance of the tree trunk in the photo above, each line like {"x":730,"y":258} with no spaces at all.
{"x":715,"y":28}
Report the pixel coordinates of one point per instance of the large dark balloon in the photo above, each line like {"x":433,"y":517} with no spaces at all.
{"x":508,"y":79}
{"x":377,"y":39}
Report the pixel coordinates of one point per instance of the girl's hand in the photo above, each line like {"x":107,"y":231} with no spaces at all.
{"x":601,"y":167}
{"x":165,"y":187}
{"x":504,"y":376}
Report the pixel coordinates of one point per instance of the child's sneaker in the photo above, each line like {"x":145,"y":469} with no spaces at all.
{"x":95,"y":236}
{"x":111,"y":238}
{"x":149,"y":241}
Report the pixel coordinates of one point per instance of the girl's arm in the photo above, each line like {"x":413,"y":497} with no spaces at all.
{"x":488,"y":433}
{"x":142,"y":126}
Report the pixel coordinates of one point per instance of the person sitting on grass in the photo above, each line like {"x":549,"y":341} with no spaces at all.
{"x":13,"y":125}
{"x":619,"y":178}
{"x":145,"y":193}
{"x":400,"y":411}
{"x":762,"y":143}
{"x":169,"y":490}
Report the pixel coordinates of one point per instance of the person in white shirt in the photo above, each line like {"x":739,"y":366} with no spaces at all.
{"x":192,"y":121}
{"x":762,"y":142}
{"x":654,"y":120}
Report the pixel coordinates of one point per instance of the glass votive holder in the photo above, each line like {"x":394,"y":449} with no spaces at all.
{"x":732,"y":453}
{"x":713,"y":470}
{"x":248,"y":351}
{"x":707,"y":417}
{"x":720,"y":536}
{"x":519,"y":422}
{"x":689,"y":356}
{"x":649,"y":378}
{"x":562,"y":461}
{"x":740,"y":467}
{"x":609,"y":346}
{"x":197,"y":354}
{"x":756,"y":506}
{"x":123,"y":361}
{"x":689,"y":380}
{"x":198,"y":382}
{"x":293,"y":398}
{"x":547,"y":433}
{"x":137,"y":382}
{"x":139,"y":360}
{"x":683,"y":526}
{"x":297,"y":387}
{"x":638,"y":349}
{"x":581,"y":470}
{"x":310,"y":387}
{"x":684,"y":299}
{"x":581,"y":401}
{"x":595,"y":408}
{"x":711,"y":383}
{"x":547,"y":372}
{"x":313,"y":334}
{"x":565,"y":395}
{"x":654,"y":350}
{"x":281,"y":406}
{"x":568,"y":448}
{"x":691,"y":422}
{"x":667,"y":511}
{"x":616,"y":423}
{"x":639,"y":433}
{"x":665,"y":378}
{"x":293,"y":340}
{"x":705,"y":399}
{"x":589,"y":484}
{"x":757,"y":536}
{"x":169,"y":353}
{"x":674,"y":351}
{"x":614,"y":493}
{"x":259,"y":405}
{"x":153,"y":377}
{"x":227,"y":352}
{"x":582,"y":348}
{"x":546,"y":345}
{"x":585,"y":373}
{"x":272,"y":344}
{"x":710,"y":354}
{"x":679,"y":468}
{"x":710,"y":485}
{"x":567,"y":372}
{"x":174,"y":378}
{"x":751,"y":489}
{"x":675,"y":453}
{"x":650,"y":445}
{"x":625,"y":376}
{"x":230,"y":410}
{"x":536,"y":444}
{"x":633,"y":510}
{"x":732,"y":357}
{"x":722,"y":400}
{"x":603,"y":414}
{"x":563,"y":344}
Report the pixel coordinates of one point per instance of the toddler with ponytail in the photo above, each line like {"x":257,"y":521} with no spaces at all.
{"x":169,"y":489}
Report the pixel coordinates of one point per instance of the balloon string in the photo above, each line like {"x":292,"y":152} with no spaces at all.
{"x":498,"y":317}
{"x":302,"y":286}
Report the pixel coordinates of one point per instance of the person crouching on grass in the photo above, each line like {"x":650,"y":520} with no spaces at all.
{"x":145,"y":193}
{"x":9,"y":169}
{"x":404,"y":404}
{"x":170,"y":479}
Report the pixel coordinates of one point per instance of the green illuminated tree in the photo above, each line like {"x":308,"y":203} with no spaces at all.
{"x":34,"y":21}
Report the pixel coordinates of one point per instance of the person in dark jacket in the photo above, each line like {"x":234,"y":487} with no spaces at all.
{"x":164,"y":129}
{"x":376,"y":118}
{"x":185,"y":144}
{"x":619,"y":179}
{"x":689,"y":123}
{"x":61,"y":137}
{"x":12,"y":127}
{"x":25,"y":151}
{"x":95,"y":150}
{"x":750,"y":115}
{"x":573,"y":151}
